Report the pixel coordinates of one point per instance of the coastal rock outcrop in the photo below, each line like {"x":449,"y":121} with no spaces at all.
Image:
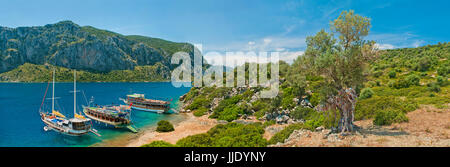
{"x":69,"y":45}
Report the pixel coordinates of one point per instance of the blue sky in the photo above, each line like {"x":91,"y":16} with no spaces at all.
{"x":232,"y":25}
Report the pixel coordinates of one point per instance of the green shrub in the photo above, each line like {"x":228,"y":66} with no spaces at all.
{"x":371,"y":84}
{"x":433,"y":87}
{"x":392,"y":74}
{"x":158,"y":143}
{"x":366,"y":93}
{"x":230,"y":113}
{"x":228,"y":135}
{"x":378,"y":83}
{"x":389,"y":116}
{"x":443,"y":70}
{"x":285,"y":133}
{"x":198,"y":140}
{"x":228,"y":110}
{"x":287,"y":102}
{"x":423,"y":74}
{"x":200,"y":112}
{"x":269,"y":123}
{"x":315,"y":122}
{"x":227,"y":102}
{"x":164,"y":126}
{"x":414,"y":94}
{"x":401,"y":83}
{"x":199,"y":102}
{"x":410,"y":80}
{"x":441,"y":81}
{"x":367,"y":108}
{"x":259,"y":114}
{"x":423,"y":64}
{"x":302,"y":113}
{"x":377,"y":74}
{"x":315,"y":99}
{"x":391,"y":84}
{"x":259,"y":105}
{"x":413,"y":79}
{"x":191,"y":94}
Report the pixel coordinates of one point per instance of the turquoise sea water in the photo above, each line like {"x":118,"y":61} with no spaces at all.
{"x":20,"y":125}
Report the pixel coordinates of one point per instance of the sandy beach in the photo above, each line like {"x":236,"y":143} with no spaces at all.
{"x":192,"y":125}
{"x":185,"y":125}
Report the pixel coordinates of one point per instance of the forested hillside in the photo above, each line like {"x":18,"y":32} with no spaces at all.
{"x":388,"y":85}
{"x":102,"y":55}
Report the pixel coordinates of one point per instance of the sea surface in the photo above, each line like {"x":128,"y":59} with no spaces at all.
{"x":20,"y":124}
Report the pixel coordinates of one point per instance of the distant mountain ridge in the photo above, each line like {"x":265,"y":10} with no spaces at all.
{"x":66,"y":44}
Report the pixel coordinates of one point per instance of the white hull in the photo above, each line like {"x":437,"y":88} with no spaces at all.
{"x":149,"y":110}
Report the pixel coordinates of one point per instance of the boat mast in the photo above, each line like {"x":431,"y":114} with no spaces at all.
{"x":53,"y":92}
{"x":75,"y":92}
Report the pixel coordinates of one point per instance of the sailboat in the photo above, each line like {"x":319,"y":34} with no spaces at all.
{"x":56,"y":121}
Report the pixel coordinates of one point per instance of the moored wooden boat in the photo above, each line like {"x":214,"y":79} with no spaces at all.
{"x":139,"y":102}
{"x":117,"y":116}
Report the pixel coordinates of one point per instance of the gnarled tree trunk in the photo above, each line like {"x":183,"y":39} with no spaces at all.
{"x":344,"y":102}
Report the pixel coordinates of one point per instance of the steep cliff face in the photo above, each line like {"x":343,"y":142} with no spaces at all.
{"x":69,"y":45}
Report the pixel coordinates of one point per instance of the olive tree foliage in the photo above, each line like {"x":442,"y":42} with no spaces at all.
{"x":341,"y":62}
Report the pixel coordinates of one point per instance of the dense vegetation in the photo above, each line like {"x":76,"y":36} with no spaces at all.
{"x":228,"y":135}
{"x":379,"y":97}
{"x":41,"y":73}
{"x":389,"y":83}
{"x":164,"y":126}
{"x":378,"y":93}
{"x":158,"y":143}
{"x":103,"y":55}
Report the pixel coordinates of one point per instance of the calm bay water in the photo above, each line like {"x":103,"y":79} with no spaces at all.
{"x":20,"y":124}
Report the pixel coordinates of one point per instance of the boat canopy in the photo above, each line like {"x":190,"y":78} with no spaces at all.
{"x":79,"y":116}
{"x":75,"y":120}
{"x":56,"y":113}
{"x":135,"y":95}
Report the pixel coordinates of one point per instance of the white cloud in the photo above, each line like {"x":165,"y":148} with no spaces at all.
{"x":233,"y":59}
{"x":289,"y":57}
{"x":401,"y":40}
{"x":418,"y":43}
{"x":280,"y":49}
{"x":267,"y":40}
{"x":384,"y":46}
{"x":289,"y":48}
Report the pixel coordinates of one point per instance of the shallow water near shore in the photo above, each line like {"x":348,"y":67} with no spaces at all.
{"x":20,"y":124}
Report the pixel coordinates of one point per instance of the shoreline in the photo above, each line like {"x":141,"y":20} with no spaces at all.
{"x":185,"y":125}
{"x":192,"y":125}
